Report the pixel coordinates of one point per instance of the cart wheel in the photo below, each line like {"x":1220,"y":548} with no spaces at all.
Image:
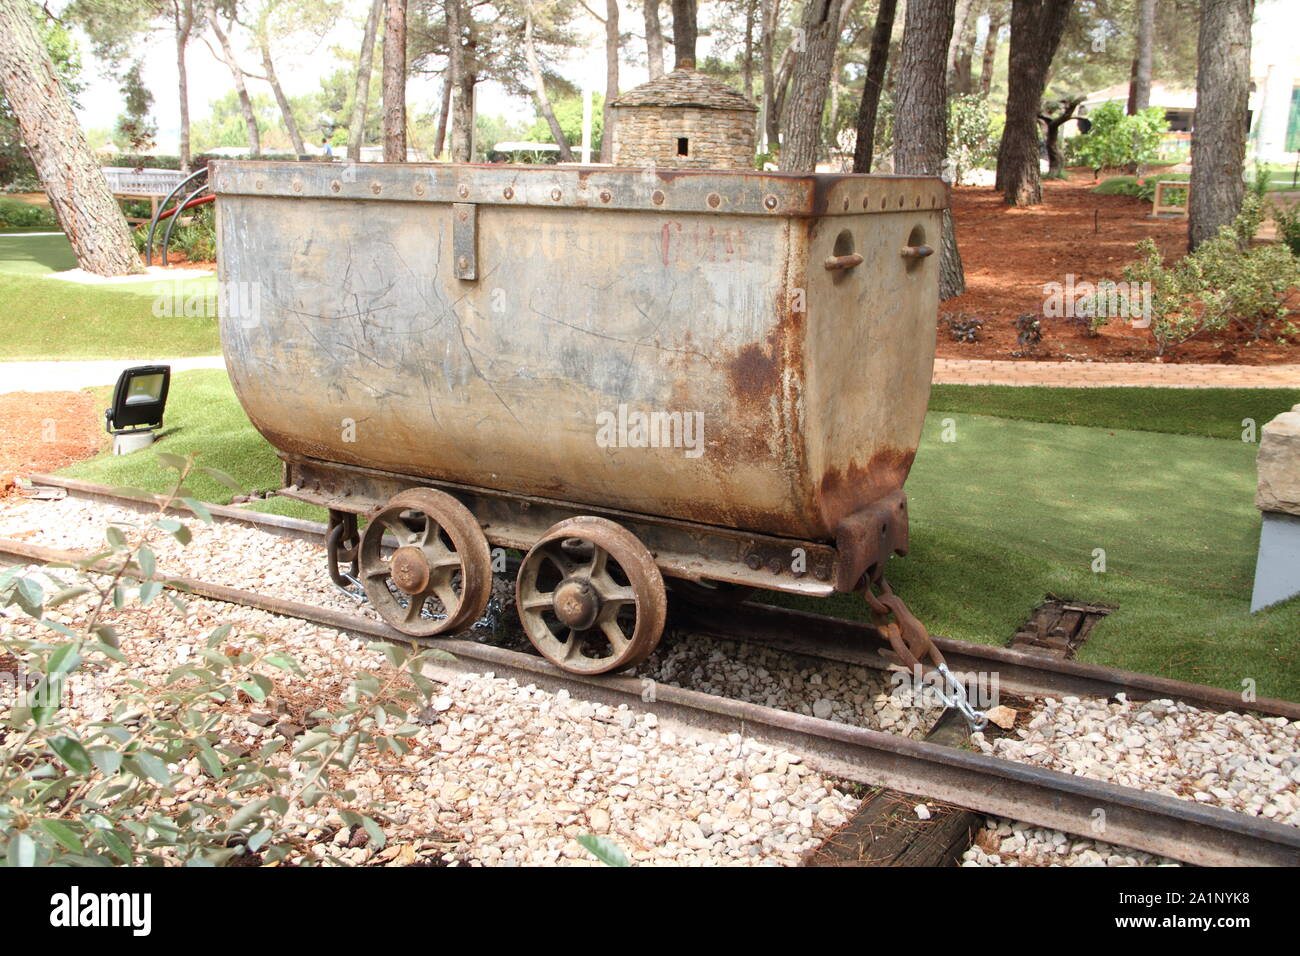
{"x":440,"y":577}
{"x":590,"y":597}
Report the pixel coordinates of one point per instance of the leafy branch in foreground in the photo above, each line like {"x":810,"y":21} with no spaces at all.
{"x":101,"y":766}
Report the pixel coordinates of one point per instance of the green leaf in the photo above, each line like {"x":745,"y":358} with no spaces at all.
{"x":282,"y":661}
{"x":21,"y":851}
{"x":116,"y":540}
{"x":150,"y":766}
{"x":108,"y":760}
{"x":251,"y":688}
{"x":377,"y":838}
{"x":603,"y":849}
{"x":145,"y":558}
{"x":218,"y":635}
{"x":116,"y":845}
{"x":72,"y":753}
{"x":67,"y":594}
{"x":150,"y":590}
{"x":63,"y":833}
{"x":29,"y":596}
{"x":199,"y":509}
{"x":222,"y":477}
{"x":64,"y":659}
{"x":172,"y":461}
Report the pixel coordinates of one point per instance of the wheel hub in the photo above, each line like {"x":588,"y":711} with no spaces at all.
{"x":577,"y":603}
{"x":410,"y":570}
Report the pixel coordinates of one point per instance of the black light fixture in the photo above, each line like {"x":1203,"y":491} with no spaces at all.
{"x":138,"y":402}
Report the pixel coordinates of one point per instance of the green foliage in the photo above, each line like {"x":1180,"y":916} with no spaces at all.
{"x":1143,"y":188}
{"x":85,"y":789}
{"x":198,"y":240}
{"x":133,"y":129}
{"x":568,"y":112}
{"x":1225,"y":281}
{"x":1287,"y":218}
{"x":603,"y":849}
{"x":15,"y":214}
{"x":1117,"y":139}
{"x":970,"y":140}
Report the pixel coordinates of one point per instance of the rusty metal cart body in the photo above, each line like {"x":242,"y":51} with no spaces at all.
{"x":716,"y":376}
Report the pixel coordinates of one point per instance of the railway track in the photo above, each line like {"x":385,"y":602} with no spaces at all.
{"x":1168,"y":826}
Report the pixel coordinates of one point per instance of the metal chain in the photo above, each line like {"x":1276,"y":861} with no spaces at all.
{"x":342,"y":544}
{"x":911,"y":643}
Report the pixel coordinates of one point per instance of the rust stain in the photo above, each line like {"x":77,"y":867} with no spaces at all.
{"x":840,"y":493}
{"x":754,"y":374}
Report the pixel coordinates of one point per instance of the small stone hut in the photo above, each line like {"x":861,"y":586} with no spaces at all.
{"x":684,"y":119}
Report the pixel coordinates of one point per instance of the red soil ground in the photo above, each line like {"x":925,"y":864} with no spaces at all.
{"x":43,"y":431}
{"x":1010,"y":253}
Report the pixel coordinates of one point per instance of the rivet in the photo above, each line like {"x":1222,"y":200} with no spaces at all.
{"x":258,"y":185}
{"x":335,"y":185}
{"x":900,"y":202}
{"x":774,"y":565}
{"x":714,"y":200}
{"x":918,"y":202}
{"x":296,"y":185}
{"x":508,"y":192}
{"x":556,"y":194}
{"x":419,"y":189}
{"x":864,"y":202}
{"x":882,"y":202}
{"x":752,"y":561}
{"x":376,"y":188}
{"x":769,"y":202}
{"x":822,"y":573}
{"x":846,"y":203}
{"x":606,"y":195}
{"x":657,"y":197}
{"x":462,"y":263}
{"x":462,"y":191}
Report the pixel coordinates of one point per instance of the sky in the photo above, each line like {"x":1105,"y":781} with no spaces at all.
{"x":1276,"y":28}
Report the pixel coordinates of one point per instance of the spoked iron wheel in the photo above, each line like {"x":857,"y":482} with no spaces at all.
{"x":590,"y":597}
{"x":440,"y":577}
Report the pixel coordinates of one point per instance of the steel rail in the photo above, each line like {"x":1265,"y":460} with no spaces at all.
{"x":816,"y":635}
{"x":1180,"y":829}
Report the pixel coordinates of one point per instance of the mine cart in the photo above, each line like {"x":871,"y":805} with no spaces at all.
{"x":715,"y":377}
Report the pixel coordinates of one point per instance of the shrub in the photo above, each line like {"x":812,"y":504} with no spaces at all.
{"x":970,"y":142}
{"x":15,"y":214}
{"x":94,"y":790}
{"x":1117,"y":139}
{"x":198,"y":240}
{"x":1226,"y":281}
{"x":1288,"y":225}
{"x":962,"y":327}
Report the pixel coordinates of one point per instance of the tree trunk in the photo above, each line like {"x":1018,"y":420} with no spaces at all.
{"x":1140,"y":93}
{"x":654,"y":39}
{"x":395,"y":81}
{"x":361,"y":93}
{"x":808,"y":84}
{"x":684,"y":34}
{"x":922,"y":110}
{"x":184,"y":18}
{"x":871,"y":86}
{"x":1052,"y":123}
{"x":241,"y":89}
{"x":540,"y":99}
{"x":1036,"y":28}
{"x":747,"y":65}
{"x":990,"y":50}
{"x":286,"y":111}
{"x":1219,"y":136}
{"x":771,"y":122}
{"x":611,"y":80}
{"x":464,"y":77}
{"x":69,"y":174}
{"x":440,"y":138}
{"x":955,"y":44}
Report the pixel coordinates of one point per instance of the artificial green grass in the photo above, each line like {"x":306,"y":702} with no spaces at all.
{"x":1008,"y":512}
{"x":42,"y":318}
{"x":22,"y":254}
{"x":1208,"y":412}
